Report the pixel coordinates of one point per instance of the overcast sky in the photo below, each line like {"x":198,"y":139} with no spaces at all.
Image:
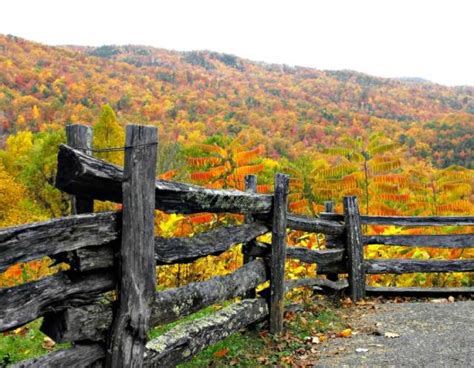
{"x":389,"y":38}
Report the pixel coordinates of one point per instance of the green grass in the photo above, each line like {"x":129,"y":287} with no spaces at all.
{"x":27,"y":343}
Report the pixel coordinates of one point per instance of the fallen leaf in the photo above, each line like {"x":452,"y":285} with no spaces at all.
{"x":48,"y":343}
{"x":221,"y":353}
{"x":391,"y":335}
{"x":345,"y":333}
{"x":451,"y":299}
{"x":362,"y":350}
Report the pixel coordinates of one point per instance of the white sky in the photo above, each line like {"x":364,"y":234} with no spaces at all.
{"x":389,"y":38}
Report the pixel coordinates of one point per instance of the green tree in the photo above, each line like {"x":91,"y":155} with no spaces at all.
{"x":108,"y":133}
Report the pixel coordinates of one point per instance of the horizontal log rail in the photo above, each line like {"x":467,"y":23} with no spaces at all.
{"x":32,"y":241}
{"x":90,"y":236}
{"x":400,"y":266}
{"x":432,"y":241}
{"x":187,"y":339}
{"x":406,"y":220}
{"x":80,"y":174}
{"x":324,"y":284}
{"x":79,"y":356}
{"x":315,"y":225}
{"x":24,"y":303}
{"x":419,"y":291}
{"x":91,"y":322}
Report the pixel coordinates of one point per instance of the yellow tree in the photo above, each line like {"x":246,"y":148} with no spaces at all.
{"x":359,"y":165}
{"x":107,"y":134}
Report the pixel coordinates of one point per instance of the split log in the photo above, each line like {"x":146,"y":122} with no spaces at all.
{"x":92,"y":322}
{"x":174,"y":250}
{"x":24,"y":303}
{"x":320,"y":257}
{"x":408,"y":220}
{"x":32,"y":241}
{"x":80,"y":174}
{"x":78,"y":356}
{"x":400,"y":266}
{"x":420,"y":291}
{"x":324,"y":284}
{"x":136,"y":267}
{"x":432,"y":241}
{"x":213,"y":242}
{"x":187,"y":339}
{"x":315,"y":225}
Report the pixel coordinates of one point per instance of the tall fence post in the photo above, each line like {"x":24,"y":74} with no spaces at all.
{"x":137,"y":271}
{"x":278,"y":255}
{"x":250,"y":186}
{"x":355,"y":248}
{"x":80,"y":137}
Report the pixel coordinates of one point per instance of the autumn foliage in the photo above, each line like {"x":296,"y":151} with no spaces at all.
{"x":403,"y":148}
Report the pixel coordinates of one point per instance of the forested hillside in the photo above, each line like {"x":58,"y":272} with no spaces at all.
{"x":291,"y":110}
{"x":404,"y":147}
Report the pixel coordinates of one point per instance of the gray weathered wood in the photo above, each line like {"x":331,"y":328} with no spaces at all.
{"x":332,"y":268}
{"x":80,"y":137}
{"x":322,"y":257}
{"x":420,"y":291}
{"x":79,"y":173}
{"x":82,"y":323}
{"x":92,"y":322}
{"x":432,"y":241}
{"x":79,"y":356}
{"x":172,"y":250}
{"x":322,"y":283}
{"x":32,"y":241}
{"x":315,"y":225}
{"x":251,"y":187}
{"x":24,"y":303}
{"x":187,"y":339}
{"x":408,"y":220}
{"x":400,"y":266}
{"x":278,"y":253}
{"x":137,"y":270}
{"x":355,"y":251}
{"x":213,"y":242}
{"x":331,"y":240}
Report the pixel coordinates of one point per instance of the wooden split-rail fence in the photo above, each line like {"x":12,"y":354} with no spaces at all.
{"x":115,"y":253}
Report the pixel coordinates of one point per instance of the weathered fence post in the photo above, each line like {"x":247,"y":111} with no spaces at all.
{"x":278,"y":256}
{"x":330,"y":239}
{"x":355,"y":248}
{"x":80,"y":137}
{"x":137,"y":272}
{"x":250,"y":186}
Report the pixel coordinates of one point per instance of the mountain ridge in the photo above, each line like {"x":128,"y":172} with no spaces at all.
{"x":290,"y":109}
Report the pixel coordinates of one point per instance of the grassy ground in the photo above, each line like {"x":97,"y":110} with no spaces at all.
{"x":25,"y":343}
{"x":252,"y":347}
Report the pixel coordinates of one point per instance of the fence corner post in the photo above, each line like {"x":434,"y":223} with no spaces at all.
{"x":137,"y":273}
{"x":355,"y":248}
{"x":278,"y":255}
{"x":79,"y":136}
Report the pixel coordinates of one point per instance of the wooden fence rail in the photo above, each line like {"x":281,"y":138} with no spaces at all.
{"x":117,"y":251}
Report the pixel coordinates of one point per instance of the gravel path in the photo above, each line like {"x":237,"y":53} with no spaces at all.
{"x":430,"y":335}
